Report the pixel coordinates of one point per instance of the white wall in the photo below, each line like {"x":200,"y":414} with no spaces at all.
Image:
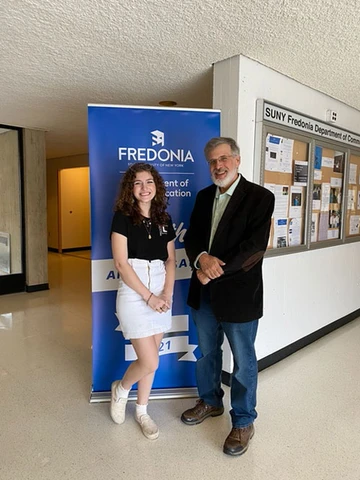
{"x":308,"y":290}
{"x":257,"y":81}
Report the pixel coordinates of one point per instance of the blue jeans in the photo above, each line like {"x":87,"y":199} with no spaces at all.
{"x":241,"y":337}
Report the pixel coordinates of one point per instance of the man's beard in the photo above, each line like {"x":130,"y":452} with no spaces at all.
{"x":228,"y":180}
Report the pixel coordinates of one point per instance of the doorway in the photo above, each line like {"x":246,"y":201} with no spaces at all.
{"x":12,"y":241}
{"x":73,"y":209}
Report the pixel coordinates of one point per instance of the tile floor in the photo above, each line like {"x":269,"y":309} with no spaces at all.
{"x":309,"y":404}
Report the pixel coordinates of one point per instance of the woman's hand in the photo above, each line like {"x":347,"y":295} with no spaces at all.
{"x":167,"y":297}
{"x":158,"y":303}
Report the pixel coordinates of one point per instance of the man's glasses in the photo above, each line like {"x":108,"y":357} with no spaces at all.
{"x":222,"y":159}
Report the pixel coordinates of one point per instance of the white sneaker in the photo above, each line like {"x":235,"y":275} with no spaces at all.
{"x":148,"y":426}
{"x":118,"y":405}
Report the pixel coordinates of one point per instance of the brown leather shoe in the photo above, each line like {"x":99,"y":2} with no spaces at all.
{"x":238,"y":440}
{"x":202,"y":410}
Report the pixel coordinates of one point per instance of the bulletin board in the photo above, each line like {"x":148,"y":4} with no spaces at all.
{"x":313,"y":170}
{"x":352,"y":223}
{"x":327,"y":194}
{"x":286,"y":175}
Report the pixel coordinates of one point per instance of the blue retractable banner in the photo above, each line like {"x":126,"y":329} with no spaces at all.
{"x":173,"y":141}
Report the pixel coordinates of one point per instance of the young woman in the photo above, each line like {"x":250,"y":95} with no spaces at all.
{"x":142,"y":239}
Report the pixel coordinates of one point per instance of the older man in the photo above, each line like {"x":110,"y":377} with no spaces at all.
{"x":226,"y":242}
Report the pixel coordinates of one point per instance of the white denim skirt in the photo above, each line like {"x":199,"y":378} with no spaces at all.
{"x":138,"y":320}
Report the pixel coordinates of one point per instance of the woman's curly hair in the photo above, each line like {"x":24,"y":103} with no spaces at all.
{"x":126,"y":202}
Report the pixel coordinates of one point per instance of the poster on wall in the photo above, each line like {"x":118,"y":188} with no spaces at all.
{"x":314,"y":227}
{"x":173,"y":141}
{"x":280,"y":233}
{"x":352,"y":173}
{"x":295,"y":226}
{"x":296,"y":199}
{"x":278,"y":154}
{"x":318,"y":158}
{"x":354,"y":225}
{"x":300,"y":173}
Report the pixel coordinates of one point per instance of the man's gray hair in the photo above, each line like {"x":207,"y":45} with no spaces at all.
{"x":216,"y":141}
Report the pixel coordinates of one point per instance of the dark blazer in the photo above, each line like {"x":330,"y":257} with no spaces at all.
{"x":240,"y":241}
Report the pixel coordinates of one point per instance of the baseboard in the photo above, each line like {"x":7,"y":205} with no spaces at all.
{"x":78,"y":249}
{"x":37,"y":288}
{"x":12,"y":283}
{"x":298,"y":345}
{"x":66,"y":250}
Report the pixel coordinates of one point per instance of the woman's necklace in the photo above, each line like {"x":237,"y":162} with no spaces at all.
{"x":147,"y":224}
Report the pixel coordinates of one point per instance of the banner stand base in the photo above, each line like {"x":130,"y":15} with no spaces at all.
{"x":156,"y":394}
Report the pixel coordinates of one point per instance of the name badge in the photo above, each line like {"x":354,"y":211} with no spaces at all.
{"x":163,"y":229}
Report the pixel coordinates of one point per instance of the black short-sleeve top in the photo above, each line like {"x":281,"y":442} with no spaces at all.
{"x":138,"y":241}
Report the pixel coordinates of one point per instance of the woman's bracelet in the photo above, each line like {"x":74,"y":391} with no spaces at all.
{"x":148,"y":300}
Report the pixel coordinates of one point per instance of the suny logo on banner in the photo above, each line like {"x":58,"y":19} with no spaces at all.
{"x":158,"y":138}
{"x":138,"y":154}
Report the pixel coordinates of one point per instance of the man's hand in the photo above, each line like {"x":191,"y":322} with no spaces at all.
{"x":211,"y":266}
{"x":202,"y":277}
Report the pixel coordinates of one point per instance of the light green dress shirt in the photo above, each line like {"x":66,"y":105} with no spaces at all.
{"x":221,"y":201}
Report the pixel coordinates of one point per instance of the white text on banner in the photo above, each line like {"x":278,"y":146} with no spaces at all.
{"x":106,"y":278}
{"x":169,"y":345}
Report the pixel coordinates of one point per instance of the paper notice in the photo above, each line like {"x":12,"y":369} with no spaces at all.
{"x":281,"y":193}
{"x":317,"y":174}
{"x":286,"y":155}
{"x":354,"y":228}
{"x":296,"y":201}
{"x":328,"y":162}
{"x":316,"y":196}
{"x":300,"y":173}
{"x":325,"y":197}
{"x":272,"y":153}
{"x":295,"y":232}
{"x":280,"y":233}
{"x":352,"y":173}
{"x":351,"y":199}
{"x":314,"y":227}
